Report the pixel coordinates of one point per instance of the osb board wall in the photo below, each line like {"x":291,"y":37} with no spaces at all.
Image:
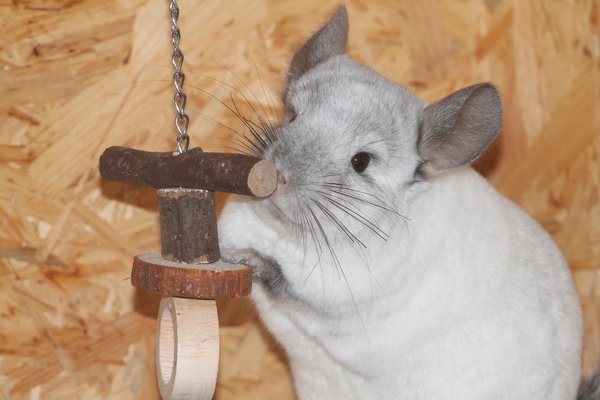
{"x":78,"y":76}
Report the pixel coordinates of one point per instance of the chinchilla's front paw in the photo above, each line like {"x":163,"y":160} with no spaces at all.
{"x":265,"y":268}
{"x":250,"y":257}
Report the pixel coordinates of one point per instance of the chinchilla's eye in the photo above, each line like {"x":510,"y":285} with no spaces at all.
{"x":360,"y":161}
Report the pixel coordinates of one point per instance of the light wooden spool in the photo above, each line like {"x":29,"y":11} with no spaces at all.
{"x":187,"y":348}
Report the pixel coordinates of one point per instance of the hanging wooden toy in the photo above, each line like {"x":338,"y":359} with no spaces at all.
{"x":188,"y":271}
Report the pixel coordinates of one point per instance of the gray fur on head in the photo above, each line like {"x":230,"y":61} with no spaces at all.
{"x":452,"y":133}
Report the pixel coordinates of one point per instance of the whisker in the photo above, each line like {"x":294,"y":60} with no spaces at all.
{"x":382,"y":206}
{"x":356,"y":216}
{"x":352,"y":237}
{"x":316,"y":240}
{"x":334,"y":257}
{"x":240,"y":81}
{"x":247,"y":146}
{"x":250,"y":125}
{"x":340,"y":270}
{"x":345,"y":187}
{"x":234,"y":111}
{"x":237,"y":90}
{"x":259,"y":144}
{"x":272,"y":113}
{"x":236,"y":149}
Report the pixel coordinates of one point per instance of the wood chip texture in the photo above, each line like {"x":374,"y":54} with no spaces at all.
{"x":79,"y":76}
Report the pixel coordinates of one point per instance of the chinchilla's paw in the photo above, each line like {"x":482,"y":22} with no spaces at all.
{"x":265,"y":268}
{"x":249,"y":257}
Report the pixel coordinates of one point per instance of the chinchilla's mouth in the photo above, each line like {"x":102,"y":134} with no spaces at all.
{"x":279,"y":214}
{"x":271,"y":210}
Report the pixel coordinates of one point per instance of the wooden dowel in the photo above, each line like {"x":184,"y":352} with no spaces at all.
{"x":234,"y":173}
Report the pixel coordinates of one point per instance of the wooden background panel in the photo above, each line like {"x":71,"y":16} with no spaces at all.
{"x":79,"y":76}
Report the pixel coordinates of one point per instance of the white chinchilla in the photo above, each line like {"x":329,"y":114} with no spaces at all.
{"x":385,"y":266}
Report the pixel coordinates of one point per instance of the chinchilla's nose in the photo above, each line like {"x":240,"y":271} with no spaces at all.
{"x":281,"y":179}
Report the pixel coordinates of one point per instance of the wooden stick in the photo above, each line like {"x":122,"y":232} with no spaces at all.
{"x":187,"y":351}
{"x":188,"y":226}
{"x":234,"y":173}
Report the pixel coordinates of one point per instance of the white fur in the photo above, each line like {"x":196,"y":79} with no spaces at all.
{"x":470,"y":300}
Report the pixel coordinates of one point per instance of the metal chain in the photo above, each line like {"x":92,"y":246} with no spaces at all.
{"x":181,"y":119}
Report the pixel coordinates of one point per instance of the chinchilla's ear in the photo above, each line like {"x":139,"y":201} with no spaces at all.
{"x":456,"y":130}
{"x":328,"y":42}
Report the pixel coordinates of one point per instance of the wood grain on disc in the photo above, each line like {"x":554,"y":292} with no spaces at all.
{"x":153,"y":273}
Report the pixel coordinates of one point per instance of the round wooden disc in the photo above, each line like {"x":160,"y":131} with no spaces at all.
{"x":197,"y":281}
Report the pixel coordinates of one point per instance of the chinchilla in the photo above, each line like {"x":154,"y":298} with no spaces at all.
{"x":385,"y":266}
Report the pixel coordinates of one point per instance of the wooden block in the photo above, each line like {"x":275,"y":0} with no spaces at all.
{"x":188,"y":226}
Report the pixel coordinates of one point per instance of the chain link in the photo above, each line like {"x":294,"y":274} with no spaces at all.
{"x":181,"y":119}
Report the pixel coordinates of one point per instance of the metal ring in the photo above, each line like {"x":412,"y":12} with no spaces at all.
{"x":177,"y":60}
{"x":179,"y":100}
{"x":183,"y":148}
{"x":178,"y":79}
{"x":182,"y":129}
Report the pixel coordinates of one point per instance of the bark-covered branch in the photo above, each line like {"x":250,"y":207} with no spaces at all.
{"x":195,"y":169}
